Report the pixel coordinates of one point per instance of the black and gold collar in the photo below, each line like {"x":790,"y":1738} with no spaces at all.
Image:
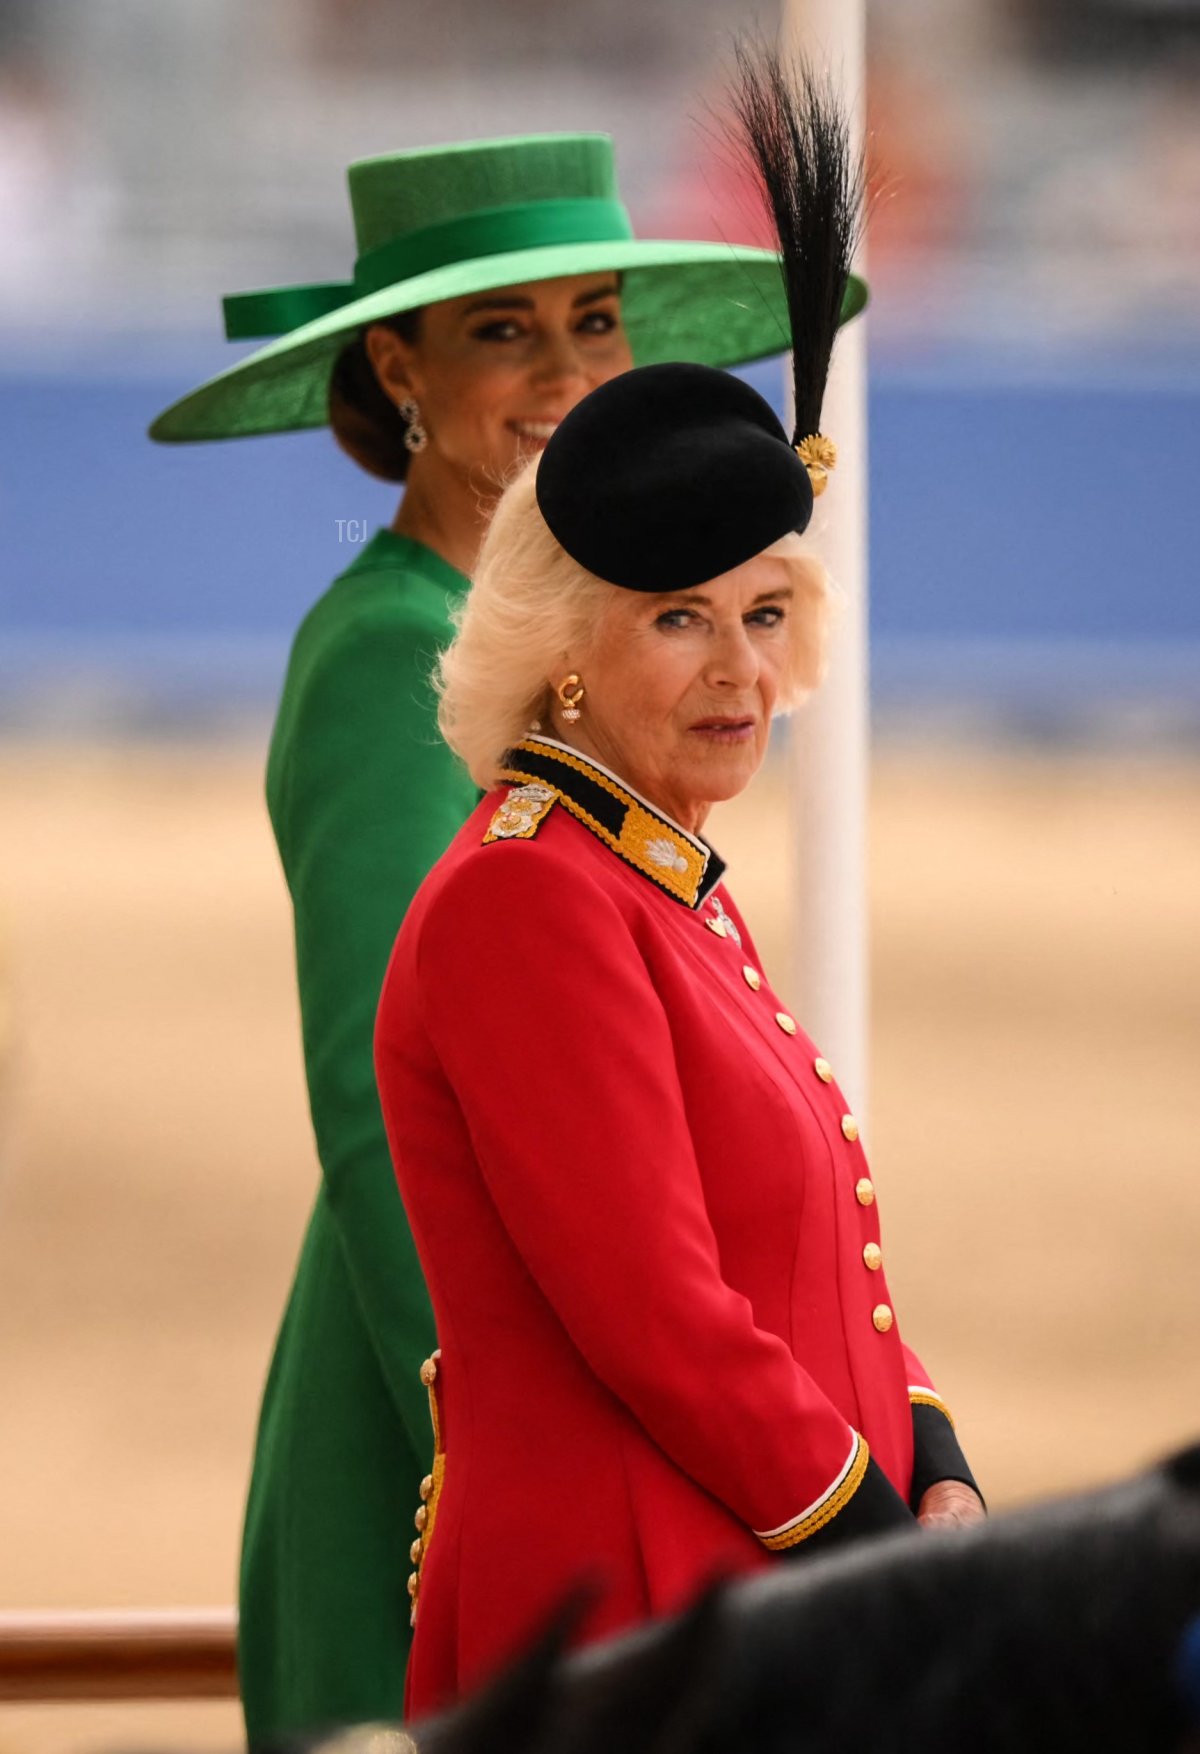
{"x":683,"y":866}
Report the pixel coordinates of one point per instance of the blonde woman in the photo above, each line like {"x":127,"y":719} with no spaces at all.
{"x":667,"y":1345}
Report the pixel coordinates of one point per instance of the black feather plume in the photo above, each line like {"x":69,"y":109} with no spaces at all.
{"x":813,"y":183}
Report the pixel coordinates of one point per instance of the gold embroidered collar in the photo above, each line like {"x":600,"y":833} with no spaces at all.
{"x":679,"y":863}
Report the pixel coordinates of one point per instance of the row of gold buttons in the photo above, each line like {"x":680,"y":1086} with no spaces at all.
{"x":864,"y":1193}
{"x":428,"y":1375}
{"x":864,"y":1188}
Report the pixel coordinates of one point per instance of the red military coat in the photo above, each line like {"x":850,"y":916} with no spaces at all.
{"x":667,"y":1346}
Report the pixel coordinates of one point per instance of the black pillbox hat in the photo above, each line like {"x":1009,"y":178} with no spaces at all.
{"x":670,"y":475}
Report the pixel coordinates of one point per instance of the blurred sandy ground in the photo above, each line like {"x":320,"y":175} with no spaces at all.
{"x":1035,"y":1127}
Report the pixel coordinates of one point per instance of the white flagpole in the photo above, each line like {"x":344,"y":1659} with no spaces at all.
{"x":828,"y":742}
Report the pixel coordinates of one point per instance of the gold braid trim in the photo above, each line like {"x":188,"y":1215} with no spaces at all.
{"x":438,"y":1470}
{"x":824,"y":1512}
{"x":437,"y":1473}
{"x":927,"y":1398}
{"x":638,"y":831}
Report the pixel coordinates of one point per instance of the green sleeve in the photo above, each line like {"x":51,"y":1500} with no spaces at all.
{"x":371,"y":798}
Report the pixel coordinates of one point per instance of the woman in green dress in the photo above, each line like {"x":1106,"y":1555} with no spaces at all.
{"x":495,"y":284}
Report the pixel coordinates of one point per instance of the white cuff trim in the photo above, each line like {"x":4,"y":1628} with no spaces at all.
{"x":769,"y":1534}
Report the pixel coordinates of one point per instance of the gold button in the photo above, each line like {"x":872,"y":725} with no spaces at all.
{"x":717,"y":926}
{"x":752,"y":978}
{"x":864,"y":1192}
{"x":873,"y":1256}
{"x":429,"y":1373}
{"x":823,"y":1070}
{"x":414,"y":1552}
{"x":786,"y":1023}
{"x":426,"y":1487}
{"x":881,"y":1315}
{"x":850,"y":1127}
{"x":413,"y":1583}
{"x":422,"y":1516}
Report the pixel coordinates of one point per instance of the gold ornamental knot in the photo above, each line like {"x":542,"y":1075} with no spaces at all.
{"x":819,"y":456}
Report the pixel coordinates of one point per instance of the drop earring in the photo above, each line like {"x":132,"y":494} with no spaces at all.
{"x":570,"y":692}
{"x":415,"y":436}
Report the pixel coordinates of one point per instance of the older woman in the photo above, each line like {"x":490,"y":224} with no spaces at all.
{"x":646,"y":1220}
{"x":496,"y":283}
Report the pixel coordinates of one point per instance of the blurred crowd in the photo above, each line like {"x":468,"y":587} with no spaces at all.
{"x":1040,"y":176}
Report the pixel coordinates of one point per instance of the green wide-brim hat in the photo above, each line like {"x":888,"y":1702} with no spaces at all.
{"x":448,"y":221}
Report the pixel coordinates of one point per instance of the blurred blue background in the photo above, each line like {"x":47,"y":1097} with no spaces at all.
{"x":1035,"y":379}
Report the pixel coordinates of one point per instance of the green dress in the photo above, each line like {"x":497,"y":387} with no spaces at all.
{"x":364,"y":796}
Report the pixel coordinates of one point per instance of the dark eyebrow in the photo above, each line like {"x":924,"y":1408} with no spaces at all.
{"x":506,"y":301}
{"x":498,"y":304}
{"x":591,"y":298}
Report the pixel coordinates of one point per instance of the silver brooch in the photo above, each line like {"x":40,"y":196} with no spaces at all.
{"x":718,"y":908}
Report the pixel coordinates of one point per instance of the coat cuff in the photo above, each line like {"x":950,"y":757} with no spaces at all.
{"x":860,"y":1501}
{"x":937,"y":1454}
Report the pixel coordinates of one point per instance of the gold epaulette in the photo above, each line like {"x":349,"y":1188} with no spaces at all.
{"x":521,"y":814}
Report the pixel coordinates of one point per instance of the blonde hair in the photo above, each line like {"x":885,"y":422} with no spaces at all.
{"x":530,"y":605}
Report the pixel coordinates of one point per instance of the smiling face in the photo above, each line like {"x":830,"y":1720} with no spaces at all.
{"x":680,"y":688}
{"x":494,"y":373}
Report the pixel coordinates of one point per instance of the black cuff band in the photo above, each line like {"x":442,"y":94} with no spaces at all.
{"x":875,"y":1509}
{"x":937,"y":1454}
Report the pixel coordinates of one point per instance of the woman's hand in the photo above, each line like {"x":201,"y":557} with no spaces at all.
{"x":950,"y":1504}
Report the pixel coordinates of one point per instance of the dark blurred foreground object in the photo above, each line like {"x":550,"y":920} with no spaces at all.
{"x":1069,"y":1627}
{"x":1072,"y":1627}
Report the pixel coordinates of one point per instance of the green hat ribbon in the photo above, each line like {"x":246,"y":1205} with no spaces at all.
{"x":491,"y":231}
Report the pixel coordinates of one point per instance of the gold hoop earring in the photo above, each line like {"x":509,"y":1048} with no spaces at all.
{"x":570,"y":692}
